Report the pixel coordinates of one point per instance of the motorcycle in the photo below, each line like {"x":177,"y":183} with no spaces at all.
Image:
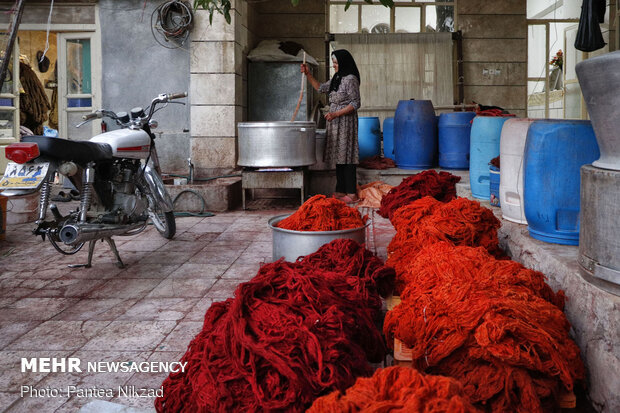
{"x":117,"y":174}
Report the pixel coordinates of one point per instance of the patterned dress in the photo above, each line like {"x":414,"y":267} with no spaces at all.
{"x":341,"y":145}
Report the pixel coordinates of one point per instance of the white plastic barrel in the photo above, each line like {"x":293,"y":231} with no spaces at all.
{"x":512,"y":145}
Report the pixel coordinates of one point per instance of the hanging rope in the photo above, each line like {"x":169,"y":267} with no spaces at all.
{"x":47,"y":34}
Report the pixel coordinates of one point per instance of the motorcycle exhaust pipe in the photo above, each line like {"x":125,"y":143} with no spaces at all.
{"x":77,"y":233}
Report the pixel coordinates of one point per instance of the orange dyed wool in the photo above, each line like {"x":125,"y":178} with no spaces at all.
{"x":494,"y":325}
{"x":428,"y":221}
{"x":398,"y":389}
{"x":323,"y":214}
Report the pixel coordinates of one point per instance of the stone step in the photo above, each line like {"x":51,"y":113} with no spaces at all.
{"x":221,"y":194}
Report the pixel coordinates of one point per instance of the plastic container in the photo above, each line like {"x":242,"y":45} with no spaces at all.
{"x":454,"y":132}
{"x":484,"y":146}
{"x":555,"y":150}
{"x":494,"y":185}
{"x":415,"y":134}
{"x":511,"y":147}
{"x":369,"y":136}
{"x":388,"y":138}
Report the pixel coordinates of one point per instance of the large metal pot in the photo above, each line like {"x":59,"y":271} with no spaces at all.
{"x":599,"y":79}
{"x":276,"y":144}
{"x":321,"y":141}
{"x":293,"y":244}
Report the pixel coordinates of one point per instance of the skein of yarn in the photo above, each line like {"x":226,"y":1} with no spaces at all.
{"x":441,"y":186}
{"x":398,"y":389}
{"x":320,"y":213}
{"x":494,"y":325}
{"x":292,"y":333}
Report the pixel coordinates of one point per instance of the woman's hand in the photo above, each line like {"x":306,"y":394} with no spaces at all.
{"x":331,"y":115}
{"x":304,"y":69}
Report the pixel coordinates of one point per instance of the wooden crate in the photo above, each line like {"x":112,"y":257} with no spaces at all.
{"x":392,"y":301}
{"x":401,"y":351}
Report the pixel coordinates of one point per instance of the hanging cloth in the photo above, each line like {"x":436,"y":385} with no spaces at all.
{"x":589,"y":37}
{"x":33,"y":102}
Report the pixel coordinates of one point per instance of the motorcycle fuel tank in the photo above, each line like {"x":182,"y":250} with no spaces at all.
{"x":126,"y":143}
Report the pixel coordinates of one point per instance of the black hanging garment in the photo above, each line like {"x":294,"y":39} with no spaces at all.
{"x":589,"y":37}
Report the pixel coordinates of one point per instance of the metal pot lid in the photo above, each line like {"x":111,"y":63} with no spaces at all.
{"x":277,"y":124}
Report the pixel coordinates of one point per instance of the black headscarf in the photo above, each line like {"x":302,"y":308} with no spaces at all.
{"x":346,"y":66}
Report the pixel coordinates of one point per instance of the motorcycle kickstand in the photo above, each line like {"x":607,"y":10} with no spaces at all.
{"x":112,"y":244}
{"x":91,"y":250}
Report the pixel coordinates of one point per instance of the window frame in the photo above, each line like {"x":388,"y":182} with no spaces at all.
{"x":414,"y":3}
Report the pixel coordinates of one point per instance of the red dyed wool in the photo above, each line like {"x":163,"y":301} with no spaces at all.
{"x":323,"y":214}
{"x":377,"y":162}
{"x":441,"y":186}
{"x":398,"y":389}
{"x":294,"y":332}
{"x":491,"y":324}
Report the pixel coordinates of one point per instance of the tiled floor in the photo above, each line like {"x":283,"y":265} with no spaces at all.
{"x":148,"y":311}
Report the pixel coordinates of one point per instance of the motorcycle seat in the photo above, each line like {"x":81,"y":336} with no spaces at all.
{"x":80,"y":152}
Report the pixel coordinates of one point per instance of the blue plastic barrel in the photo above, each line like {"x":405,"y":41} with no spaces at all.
{"x":454,"y":131}
{"x":555,"y":151}
{"x":415,"y":134}
{"x":388,"y":138}
{"x":494,"y":185}
{"x":369,"y":136}
{"x":483,"y":146}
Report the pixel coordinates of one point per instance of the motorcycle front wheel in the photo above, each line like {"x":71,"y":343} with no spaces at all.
{"x":163,"y":221}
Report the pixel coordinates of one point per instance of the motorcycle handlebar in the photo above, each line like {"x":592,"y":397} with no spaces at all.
{"x":93,"y":115}
{"x":179,"y":95}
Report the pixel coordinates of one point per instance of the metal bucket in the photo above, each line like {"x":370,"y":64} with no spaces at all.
{"x":293,"y":244}
{"x":276,"y":144}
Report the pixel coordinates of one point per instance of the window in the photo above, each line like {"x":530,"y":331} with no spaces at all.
{"x":553,"y":89}
{"x":407,"y":16}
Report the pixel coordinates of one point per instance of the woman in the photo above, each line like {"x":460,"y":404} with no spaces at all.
{"x":341,"y":148}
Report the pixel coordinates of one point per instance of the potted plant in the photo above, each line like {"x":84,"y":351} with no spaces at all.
{"x":555,"y":76}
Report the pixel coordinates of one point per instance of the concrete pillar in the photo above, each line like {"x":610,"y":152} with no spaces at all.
{"x":217,"y":85}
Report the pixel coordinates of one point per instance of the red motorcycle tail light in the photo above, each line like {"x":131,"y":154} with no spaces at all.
{"x":22,"y":152}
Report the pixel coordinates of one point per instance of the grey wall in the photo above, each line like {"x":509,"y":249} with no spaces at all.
{"x":135,"y":69}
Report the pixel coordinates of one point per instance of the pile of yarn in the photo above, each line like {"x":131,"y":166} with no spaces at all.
{"x":398,"y":389}
{"x":428,"y":221}
{"x":294,"y":332}
{"x":441,"y":186}
{"x":493,"y":325}
{"x":371,"y":194}
{"x":320,"y":213}
{"x":377,"y":162}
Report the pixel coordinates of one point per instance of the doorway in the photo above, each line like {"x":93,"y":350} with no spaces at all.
{"x":61,"y":88}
